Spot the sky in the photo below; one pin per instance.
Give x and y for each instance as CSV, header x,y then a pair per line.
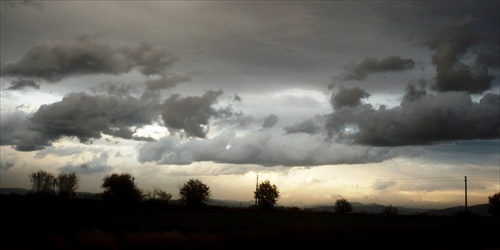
x,y
388,102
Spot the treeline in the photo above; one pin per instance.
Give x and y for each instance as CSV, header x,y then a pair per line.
x,y
121,189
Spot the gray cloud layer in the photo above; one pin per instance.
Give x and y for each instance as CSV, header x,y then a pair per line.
x,y
190,115
87,117
54,61
306,40
263,148
270,121
309,126
348,97
360,71
77,115
428,119
96,165
452,40
165,82
23,83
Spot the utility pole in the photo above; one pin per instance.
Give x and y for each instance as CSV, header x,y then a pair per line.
x,y
256,189
465,193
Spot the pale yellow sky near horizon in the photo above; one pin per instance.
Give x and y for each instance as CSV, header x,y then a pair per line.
x,y
299,186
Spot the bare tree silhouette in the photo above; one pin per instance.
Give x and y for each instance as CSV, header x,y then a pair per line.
x,y
43,182
67,184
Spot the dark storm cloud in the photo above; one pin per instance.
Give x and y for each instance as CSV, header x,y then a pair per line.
x,y
340,121
190,115
348,97
23,83
113,89
270,121
415,91
489,57
87,117
10,124
165,82
428,119
452,40
150,60
14,131
54,61
262,148
276,47
360,71
78,115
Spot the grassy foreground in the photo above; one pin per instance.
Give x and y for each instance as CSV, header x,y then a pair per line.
x,y
36,224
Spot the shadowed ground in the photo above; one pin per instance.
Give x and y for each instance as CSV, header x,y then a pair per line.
x,y
88,224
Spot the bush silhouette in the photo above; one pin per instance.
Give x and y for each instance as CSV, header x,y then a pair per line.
x,y
267,195
157,197
342,206
390,211
494,204
120,188
194,193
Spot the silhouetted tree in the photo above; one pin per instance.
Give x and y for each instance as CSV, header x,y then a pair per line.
x,y
194,193
267,195
342,206
43,182
121,188
158,196
494,204
67,183
390,211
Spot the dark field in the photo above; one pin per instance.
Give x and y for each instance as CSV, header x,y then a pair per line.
x,y
88,224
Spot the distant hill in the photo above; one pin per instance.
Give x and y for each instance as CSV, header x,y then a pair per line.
x,y
481,209
357,207
372,208
230,203
21,191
